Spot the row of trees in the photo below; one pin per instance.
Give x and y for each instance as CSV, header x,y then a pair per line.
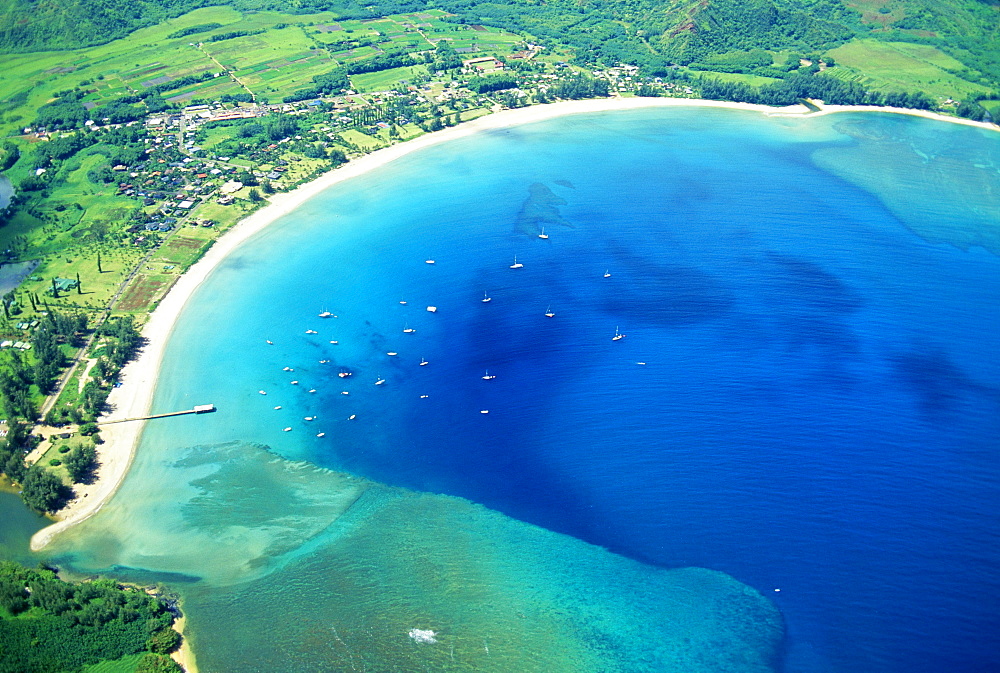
x,y
192,30
806,85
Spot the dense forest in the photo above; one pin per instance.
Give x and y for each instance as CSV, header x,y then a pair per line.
x,y
51,626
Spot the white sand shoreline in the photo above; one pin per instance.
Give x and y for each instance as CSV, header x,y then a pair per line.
x,y
135,395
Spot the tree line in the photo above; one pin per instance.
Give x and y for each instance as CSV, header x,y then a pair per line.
x,y
805,85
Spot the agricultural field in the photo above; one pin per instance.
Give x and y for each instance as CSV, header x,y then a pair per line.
x,y
388,79
146,289
182,250
901,66
281,54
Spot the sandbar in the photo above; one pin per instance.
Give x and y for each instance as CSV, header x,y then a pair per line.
x,y
134,397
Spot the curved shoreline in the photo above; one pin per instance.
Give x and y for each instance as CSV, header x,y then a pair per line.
x,y
134,397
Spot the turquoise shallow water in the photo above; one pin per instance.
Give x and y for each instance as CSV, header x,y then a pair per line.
x,y
814,304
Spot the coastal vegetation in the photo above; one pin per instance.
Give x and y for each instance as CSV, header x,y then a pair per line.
x,y
49,625
46,485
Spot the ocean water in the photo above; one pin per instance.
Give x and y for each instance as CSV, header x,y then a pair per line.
x,y
807,399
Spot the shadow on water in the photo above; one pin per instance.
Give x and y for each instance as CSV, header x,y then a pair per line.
x,y
937,383
662,294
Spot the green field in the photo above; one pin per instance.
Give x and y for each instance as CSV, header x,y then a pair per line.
x,y
272,64
386,79
993,106
123,665
752,80
901,66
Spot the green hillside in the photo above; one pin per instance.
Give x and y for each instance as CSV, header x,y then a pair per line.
x,y
643,32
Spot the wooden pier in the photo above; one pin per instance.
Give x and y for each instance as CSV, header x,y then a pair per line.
x,y
200,409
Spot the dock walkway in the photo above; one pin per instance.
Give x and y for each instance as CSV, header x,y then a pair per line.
x,y
200,409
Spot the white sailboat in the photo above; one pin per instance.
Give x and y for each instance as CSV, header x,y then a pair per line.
x,y
380,381
325,314
543,234
489,377
549,313
618,335
423,362
607,273
486,297
516,264
407,329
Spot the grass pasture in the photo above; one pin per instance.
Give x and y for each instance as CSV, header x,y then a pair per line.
x,y
126,664
752,80
182,250
992,106
145,289
386,79
901,66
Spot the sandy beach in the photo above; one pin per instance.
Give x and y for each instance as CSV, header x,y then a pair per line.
x,y
135,395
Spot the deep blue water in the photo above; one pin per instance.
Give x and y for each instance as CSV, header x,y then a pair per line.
x,y
819,404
